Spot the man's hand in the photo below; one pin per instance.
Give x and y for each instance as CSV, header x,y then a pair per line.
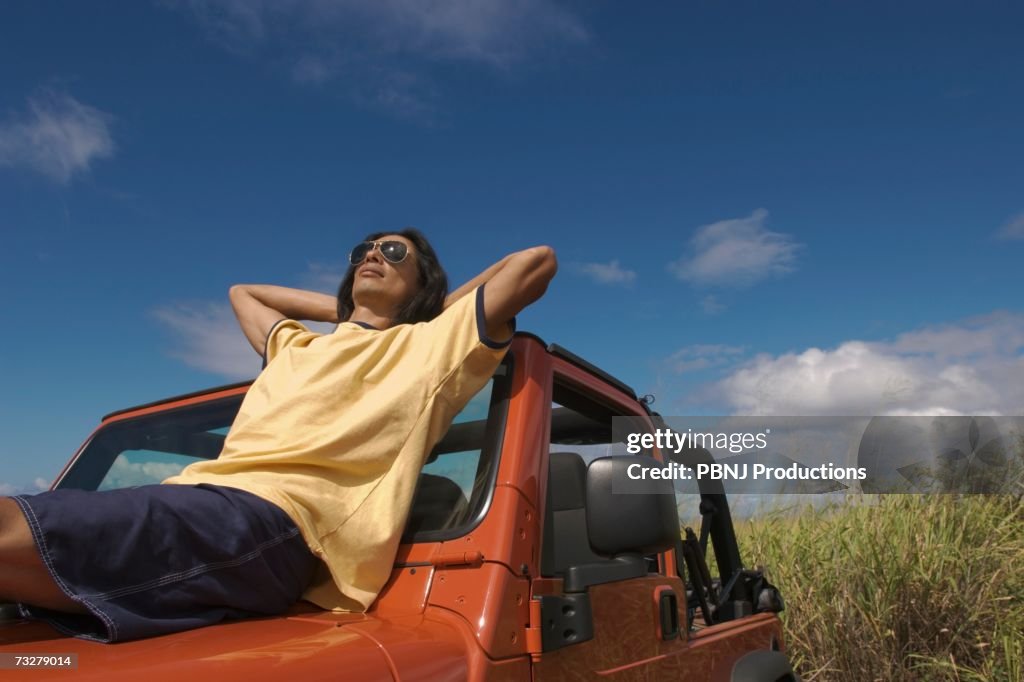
x,y
259,306
513,283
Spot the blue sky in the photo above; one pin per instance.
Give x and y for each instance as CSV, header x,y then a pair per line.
x,y
808,209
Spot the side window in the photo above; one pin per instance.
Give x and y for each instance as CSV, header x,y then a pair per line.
x,y
581,431
458,476
454,470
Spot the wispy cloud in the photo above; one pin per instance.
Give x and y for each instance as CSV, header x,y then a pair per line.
x,y
1013,229
397,91
57,136
711,305
606,273
737,252
311,68
206,336
376,48
703,356
323,277
491,31
974,366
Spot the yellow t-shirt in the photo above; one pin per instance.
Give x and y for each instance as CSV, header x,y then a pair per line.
x,y
335,430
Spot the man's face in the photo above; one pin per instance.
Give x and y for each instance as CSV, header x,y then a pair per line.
x,y
381,283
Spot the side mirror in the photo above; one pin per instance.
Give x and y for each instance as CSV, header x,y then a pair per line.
x,y
770,600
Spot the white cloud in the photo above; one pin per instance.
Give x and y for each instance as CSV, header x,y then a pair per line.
x,y
606,273
737,252
57,136
1013,229
207,337
996,334
38,485
124,473
975,366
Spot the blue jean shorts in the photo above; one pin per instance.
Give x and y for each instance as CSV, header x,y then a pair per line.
x,y
157,559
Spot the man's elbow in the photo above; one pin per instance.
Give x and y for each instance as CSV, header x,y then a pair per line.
x,y
238,291
543,264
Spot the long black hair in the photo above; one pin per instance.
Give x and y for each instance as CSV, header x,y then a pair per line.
x,y
427,303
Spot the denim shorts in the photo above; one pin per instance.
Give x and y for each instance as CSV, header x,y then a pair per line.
x,y
157,559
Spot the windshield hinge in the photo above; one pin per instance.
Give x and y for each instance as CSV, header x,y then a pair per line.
x,y
534,633
558,621
473,559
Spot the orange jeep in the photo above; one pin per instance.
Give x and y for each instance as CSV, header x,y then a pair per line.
x,y
518,561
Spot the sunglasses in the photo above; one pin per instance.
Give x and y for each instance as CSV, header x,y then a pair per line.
x,y
392,251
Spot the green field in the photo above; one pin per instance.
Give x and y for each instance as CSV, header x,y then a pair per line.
x,y
900,587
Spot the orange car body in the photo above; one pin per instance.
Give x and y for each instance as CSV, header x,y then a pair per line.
x,y
465,608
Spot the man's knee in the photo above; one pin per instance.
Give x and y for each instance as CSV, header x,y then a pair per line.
x,y
15,537
23,576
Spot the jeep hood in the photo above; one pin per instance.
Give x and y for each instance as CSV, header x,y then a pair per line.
x,y
303,646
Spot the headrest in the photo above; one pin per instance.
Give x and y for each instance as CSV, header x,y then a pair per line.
x,y
568,481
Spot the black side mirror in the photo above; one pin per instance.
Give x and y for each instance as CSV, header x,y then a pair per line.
x,y
769,600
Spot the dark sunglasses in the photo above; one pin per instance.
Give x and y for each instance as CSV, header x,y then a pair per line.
x,y
392,251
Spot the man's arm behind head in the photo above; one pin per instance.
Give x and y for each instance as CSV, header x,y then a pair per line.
x,y
259,306
522,279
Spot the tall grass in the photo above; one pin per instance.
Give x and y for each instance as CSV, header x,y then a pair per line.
x,y
899,588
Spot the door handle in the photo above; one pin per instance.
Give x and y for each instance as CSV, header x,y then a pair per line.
x,y
667,605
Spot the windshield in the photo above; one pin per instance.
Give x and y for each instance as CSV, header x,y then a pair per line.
x,y
453,490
